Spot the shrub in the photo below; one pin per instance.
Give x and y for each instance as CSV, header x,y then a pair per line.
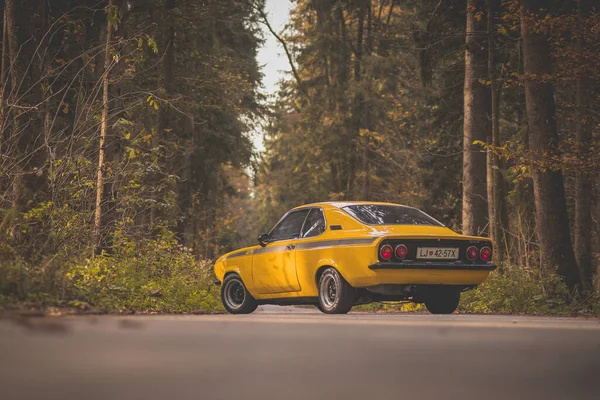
x,y
390,307
149,274
516,289
140,275
512,289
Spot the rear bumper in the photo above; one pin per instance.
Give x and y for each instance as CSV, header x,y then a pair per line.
x,y
460,266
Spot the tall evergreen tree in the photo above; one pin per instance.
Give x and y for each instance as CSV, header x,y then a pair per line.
x,y
552,222
477,124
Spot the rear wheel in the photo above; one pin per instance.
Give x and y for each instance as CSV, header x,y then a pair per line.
x,y
336,296
442,300
235,296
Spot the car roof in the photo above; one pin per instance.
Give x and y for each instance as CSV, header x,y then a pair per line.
x,y
340,204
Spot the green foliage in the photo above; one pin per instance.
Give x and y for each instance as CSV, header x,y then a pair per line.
x,y
520,290
140,275
375,117
512,289
149,275
183,86
390,307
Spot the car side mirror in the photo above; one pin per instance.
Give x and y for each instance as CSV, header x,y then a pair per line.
x,y
263,239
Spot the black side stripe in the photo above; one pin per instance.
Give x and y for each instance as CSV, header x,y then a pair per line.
x,y
316,245
238,254
305,246
334,243
270,249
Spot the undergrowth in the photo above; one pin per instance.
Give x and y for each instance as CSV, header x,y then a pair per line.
x,y
512,289
139,275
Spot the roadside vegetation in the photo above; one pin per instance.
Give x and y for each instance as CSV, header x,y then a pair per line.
x,y
513,290
127,162
519,290
147,275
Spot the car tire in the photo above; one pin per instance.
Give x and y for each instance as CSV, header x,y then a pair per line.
x,y
442,300
336,296
235,297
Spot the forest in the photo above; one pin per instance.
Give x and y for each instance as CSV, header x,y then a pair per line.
x,y
127,162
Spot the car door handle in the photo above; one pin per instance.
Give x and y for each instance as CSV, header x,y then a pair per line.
x,y
290,247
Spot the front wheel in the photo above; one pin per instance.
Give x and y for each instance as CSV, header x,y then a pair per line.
x,y
336,296
235,296
442,300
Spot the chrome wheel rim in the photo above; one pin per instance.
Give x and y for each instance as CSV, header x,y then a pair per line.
x,y
234,294
328,291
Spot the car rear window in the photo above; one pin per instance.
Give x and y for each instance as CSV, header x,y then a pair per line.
x,y
376,214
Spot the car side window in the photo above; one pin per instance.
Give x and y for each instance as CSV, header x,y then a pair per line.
x,y
315,223
290,226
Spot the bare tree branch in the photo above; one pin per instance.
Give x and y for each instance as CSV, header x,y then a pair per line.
x,y
265,20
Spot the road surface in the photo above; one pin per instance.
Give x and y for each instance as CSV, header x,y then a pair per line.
x,y
298,353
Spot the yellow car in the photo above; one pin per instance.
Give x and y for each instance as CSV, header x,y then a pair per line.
x,y
339,254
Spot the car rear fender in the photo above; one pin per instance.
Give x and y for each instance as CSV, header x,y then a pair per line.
x,y
344,270
323,265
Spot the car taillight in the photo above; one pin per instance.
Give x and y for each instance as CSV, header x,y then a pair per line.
x,y
485,254
386,252
401,251
472,253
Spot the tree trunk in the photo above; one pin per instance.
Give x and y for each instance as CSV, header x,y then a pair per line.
x,y
112,148
476,122
583,191
366,166
552,222
596,218
12,40
13,140
358,107
103,131
3,70
4,133
340,68
495,180
164,82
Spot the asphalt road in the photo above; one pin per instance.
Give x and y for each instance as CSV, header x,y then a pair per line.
x,y
288,353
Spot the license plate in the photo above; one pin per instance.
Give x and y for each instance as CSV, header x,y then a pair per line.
x,y
437,253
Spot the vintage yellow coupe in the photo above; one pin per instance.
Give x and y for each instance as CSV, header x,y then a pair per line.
x,y
339,254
